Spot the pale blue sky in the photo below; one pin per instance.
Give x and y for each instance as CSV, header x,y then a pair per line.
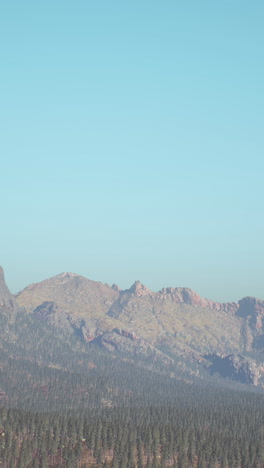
x,y
132,143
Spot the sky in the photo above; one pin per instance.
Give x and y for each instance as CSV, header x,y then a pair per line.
x,y
131,143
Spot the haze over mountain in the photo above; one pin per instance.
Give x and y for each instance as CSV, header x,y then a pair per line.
x,y
173,325
78,348
166,324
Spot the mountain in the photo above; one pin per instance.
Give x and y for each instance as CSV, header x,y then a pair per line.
x,y
168,325
8,304
92,375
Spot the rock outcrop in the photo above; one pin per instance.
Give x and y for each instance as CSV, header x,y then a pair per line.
x,y
188,296
139,290
128,334
127,342
7,300
235,367
253,310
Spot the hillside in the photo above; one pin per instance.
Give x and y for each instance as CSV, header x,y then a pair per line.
x,y
168,324
94,376
174,316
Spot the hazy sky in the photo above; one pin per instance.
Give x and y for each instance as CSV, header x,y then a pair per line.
x,y
132,143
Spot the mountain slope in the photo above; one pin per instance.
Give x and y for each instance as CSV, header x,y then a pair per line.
x,y
163,325
170,316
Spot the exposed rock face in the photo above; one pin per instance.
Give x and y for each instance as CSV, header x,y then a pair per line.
x,y
176,315
45,310
122,340
54,315
252,312
88,334
7,300
172,321
188,296
139,290
126,333
115,341
253,309
57,317
235,367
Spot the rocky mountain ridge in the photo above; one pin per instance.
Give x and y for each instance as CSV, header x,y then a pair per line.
x,y
148,313
164,325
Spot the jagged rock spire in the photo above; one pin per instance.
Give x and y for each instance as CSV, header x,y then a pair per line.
x,y
7,300
139,289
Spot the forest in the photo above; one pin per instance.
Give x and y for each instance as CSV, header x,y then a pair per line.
x,y
66,403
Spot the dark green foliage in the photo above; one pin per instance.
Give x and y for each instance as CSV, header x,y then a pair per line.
x,y
64,402
225,433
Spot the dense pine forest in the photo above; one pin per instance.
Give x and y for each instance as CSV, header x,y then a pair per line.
x,y
66,403
215,429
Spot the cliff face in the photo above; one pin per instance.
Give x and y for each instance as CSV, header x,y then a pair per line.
x,y
188,296
7,300
235,367
253,310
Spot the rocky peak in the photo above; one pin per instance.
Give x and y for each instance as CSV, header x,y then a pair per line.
x,y
66,276
188,296
7,301
182,295
139,289
253,309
